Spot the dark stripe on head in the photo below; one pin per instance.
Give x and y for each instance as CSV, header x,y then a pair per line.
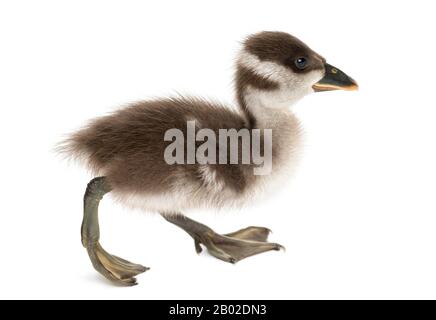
x,y
284,49
245,77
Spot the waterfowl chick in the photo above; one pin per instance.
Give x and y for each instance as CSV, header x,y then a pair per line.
x,y
128,150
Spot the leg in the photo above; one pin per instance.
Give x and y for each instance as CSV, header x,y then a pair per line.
x,y
118,270
231,247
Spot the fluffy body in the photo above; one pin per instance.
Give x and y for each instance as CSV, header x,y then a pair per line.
x,y
128,146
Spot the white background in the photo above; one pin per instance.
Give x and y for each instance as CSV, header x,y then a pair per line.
x,y
358,219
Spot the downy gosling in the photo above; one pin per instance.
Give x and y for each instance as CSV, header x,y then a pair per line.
x,y
131,152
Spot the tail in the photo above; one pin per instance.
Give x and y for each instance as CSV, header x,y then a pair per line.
x,y
80,147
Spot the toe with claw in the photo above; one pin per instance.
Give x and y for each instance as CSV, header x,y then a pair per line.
x,y
116,269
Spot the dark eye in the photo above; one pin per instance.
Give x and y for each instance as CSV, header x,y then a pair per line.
x,y
301,63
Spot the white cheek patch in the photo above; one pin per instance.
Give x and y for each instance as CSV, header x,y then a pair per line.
x,y
292,86
265,69
284,96
312,77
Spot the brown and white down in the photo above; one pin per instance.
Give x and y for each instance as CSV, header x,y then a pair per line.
x,y
125,150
